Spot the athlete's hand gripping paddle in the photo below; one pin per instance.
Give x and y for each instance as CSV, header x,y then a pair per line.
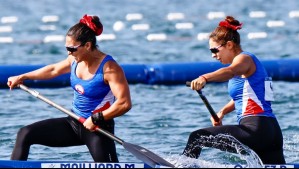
x,y
206,102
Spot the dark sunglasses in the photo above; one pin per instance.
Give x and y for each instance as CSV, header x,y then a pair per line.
x,y
216,49
73,49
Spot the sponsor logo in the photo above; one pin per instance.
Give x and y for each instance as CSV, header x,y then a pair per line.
x,y
279,166
266,166
92,165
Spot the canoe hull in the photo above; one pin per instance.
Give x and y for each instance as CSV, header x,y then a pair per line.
x,y
83,164
67,164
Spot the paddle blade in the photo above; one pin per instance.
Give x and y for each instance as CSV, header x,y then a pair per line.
x,y
147,156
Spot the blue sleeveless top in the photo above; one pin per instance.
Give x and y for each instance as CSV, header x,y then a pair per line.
x,y
93,94
249,94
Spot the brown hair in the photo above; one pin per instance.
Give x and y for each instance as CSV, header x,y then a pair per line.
x,y
227,31
87,30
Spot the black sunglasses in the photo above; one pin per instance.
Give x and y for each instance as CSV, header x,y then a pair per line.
x,y
216,49
73,49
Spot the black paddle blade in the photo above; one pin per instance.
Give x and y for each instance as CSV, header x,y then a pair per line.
x,y
147,156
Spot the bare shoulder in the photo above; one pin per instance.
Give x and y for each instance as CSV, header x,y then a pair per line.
x,y
113,73
70,59
243,58
112,66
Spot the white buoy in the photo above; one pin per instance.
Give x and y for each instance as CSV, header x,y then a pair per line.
x,y
54,38
203,36
5,29
216,15
257,14
275,24
156,37
175,16
6,40
106,37
294,14
47,27
9,19
142,27
184,26
134,16
257,35
50,18
118,26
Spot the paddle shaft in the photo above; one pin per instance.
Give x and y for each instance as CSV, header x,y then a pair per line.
x,y
80,119
206,102
141,153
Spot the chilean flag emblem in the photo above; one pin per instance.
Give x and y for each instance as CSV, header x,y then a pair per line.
x,y
79,89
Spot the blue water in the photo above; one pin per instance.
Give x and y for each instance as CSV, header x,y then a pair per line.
x,y
162,116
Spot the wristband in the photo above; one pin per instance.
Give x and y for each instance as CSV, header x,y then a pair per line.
x,y
204,78
97,118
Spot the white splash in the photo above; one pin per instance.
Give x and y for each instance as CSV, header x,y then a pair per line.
x,y
245,157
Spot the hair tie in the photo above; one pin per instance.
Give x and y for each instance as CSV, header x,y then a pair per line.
x,y
230,26
87,20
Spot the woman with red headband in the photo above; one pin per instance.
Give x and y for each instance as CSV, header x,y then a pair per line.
x,y
251,94
101,93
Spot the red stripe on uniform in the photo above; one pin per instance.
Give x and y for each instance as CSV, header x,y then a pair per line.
x,y
106,106
253,108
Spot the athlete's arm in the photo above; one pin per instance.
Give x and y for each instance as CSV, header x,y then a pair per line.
x,y
44,73
242,65
115,77
229,107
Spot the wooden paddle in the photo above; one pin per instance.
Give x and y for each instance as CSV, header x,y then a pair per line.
x,y
206,102
141,153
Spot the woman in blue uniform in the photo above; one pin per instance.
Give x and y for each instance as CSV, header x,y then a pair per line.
x,y
101,93
250,90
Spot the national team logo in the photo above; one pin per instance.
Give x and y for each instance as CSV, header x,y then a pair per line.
x,y
79,89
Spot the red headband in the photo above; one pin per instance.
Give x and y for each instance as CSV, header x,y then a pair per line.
x,y
230,26
87,20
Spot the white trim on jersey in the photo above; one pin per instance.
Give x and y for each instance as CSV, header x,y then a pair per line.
x,y
248,93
